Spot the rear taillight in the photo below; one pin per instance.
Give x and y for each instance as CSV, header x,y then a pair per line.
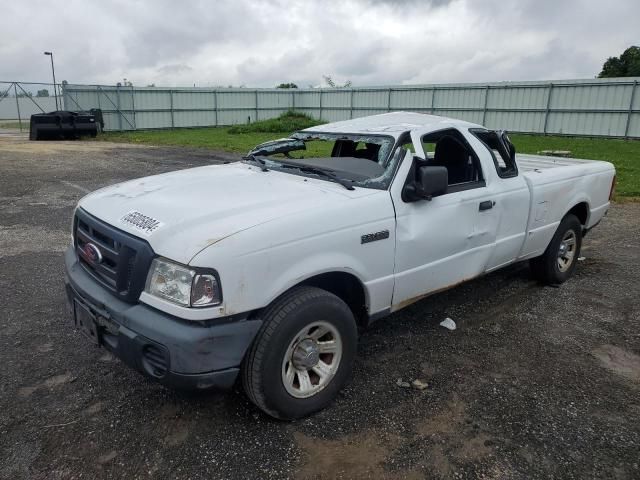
x,y
613,188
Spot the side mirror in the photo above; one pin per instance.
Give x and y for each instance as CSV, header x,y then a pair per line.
x,y
434,181
431,181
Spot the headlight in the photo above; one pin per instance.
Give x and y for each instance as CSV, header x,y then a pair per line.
x,y
73,226
183,285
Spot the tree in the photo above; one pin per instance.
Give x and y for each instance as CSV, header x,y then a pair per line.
x,y
287,85
42,93
333,84
626,65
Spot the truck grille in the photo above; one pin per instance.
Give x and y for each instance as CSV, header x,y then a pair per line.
x,y
117,260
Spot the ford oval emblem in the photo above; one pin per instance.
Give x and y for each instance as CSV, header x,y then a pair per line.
x,y
92,253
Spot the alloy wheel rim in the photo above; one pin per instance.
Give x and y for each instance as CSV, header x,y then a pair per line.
x,y
567,251
312,359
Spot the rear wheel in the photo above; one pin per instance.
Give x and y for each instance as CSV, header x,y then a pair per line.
x,y
302,355
558,262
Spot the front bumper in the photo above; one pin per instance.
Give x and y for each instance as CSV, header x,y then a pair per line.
x,y
175,352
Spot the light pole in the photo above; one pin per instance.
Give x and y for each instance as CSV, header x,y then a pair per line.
x,y
53,71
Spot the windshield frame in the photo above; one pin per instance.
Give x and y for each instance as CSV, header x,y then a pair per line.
x,y
381,182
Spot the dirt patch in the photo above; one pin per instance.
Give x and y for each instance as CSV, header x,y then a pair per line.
x,y
454,428
178,430
620,361
356,456
15,144
474,448
445,422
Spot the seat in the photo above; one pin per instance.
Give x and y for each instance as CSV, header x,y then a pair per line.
x,y
453,155
343,148
370,152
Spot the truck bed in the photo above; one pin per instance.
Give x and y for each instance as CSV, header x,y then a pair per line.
x,y
540,170
557,184
528,163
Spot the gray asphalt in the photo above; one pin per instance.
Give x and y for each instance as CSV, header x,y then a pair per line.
x,y
536,382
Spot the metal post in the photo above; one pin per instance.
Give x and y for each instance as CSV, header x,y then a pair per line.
x,y
486,98
118,107
55,85
630,112
15,92
133,107
433,99
53,71
293,99
256,105
351,105
389,100
320,114
215,105
171,108
546,114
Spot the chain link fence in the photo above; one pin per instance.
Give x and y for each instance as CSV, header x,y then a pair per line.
x,y
20,100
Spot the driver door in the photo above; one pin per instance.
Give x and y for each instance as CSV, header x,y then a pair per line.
x,y
445,240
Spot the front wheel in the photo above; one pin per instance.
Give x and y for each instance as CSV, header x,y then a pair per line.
x,y
559,260
303,354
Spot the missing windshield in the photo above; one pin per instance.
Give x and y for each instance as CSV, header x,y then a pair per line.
x,y
351,160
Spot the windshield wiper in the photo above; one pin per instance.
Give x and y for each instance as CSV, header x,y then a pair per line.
x,y
321,172
260,162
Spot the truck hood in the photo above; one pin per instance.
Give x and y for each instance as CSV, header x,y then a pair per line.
x,y
184,212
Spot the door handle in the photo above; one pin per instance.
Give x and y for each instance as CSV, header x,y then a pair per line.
x,y
487,205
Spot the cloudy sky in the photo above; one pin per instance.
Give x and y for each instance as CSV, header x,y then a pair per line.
x,y
265,42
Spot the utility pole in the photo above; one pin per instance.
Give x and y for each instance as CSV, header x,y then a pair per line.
x,y
53,71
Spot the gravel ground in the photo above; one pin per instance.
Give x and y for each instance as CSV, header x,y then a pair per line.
x,y
536,382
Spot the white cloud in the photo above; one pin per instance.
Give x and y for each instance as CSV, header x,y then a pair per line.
x,y
265,42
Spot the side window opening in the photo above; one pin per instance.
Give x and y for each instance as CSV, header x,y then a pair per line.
x,y
407,144
448,148
429,149
502,158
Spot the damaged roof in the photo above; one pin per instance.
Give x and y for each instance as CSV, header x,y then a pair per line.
x,y
394,123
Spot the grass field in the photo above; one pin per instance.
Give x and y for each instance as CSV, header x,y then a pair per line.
x,y
14,124
624,154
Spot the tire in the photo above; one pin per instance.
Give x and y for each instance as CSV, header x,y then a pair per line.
x,y
290,340
557,263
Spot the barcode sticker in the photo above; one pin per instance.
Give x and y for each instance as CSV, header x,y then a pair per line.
x,y
142,223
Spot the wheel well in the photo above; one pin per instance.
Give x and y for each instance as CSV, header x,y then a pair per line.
x,y
581,211
348,288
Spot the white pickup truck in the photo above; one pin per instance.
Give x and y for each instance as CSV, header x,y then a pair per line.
x,y
266,269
